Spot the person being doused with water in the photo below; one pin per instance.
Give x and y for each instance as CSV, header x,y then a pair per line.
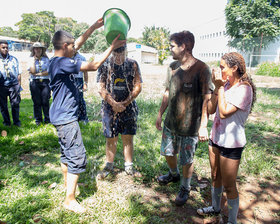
x,y
120,83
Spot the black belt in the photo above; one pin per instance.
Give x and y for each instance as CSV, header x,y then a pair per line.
x,y
40,80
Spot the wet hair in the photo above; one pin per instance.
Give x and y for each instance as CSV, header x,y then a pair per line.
x,y
185,37
60,37
234,58
120,49
3,42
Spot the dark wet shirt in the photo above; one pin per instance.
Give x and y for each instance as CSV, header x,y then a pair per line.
x,y
186,94
118,78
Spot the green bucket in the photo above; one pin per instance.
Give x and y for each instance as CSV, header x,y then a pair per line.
x,y
116,21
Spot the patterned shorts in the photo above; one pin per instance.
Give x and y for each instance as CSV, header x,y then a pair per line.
x,y
171,144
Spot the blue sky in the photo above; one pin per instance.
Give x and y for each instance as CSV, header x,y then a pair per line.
x,y
176,15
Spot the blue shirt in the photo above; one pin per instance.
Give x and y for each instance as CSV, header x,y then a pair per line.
x,y
82,58
40,66
64,107
9,70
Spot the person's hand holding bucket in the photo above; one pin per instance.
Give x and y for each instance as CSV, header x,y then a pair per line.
x,y
99,23
118,43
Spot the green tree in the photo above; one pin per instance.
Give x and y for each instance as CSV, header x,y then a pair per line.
x,y
39,26
100,41
8,31
158,38
133,40
252,24
65,23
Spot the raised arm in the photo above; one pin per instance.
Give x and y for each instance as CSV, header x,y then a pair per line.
x,y
225,109
81,40
94,65
213,101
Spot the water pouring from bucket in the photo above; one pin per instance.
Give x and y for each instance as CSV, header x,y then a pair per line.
x,y
116,21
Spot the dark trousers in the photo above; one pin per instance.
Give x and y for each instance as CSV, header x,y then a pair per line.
x,y
14,94
82,110
41,93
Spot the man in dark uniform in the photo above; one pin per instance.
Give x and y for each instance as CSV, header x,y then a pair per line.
x,y
10,78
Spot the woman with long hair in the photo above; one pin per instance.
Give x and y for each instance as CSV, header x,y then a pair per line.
x,y
39,82
232,100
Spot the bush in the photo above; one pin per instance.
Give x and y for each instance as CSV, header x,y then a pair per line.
x,y
212,64
269,69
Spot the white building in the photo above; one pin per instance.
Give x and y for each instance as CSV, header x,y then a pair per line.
x,y
16,44
212,43
142,54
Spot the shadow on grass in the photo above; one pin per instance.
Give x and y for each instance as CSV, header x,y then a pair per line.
x,y
271,91
157,211
160,207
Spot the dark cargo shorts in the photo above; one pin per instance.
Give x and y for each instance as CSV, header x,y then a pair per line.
x,y
124,123
73,152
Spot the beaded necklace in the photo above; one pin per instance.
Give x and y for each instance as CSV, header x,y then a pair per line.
x,y
6,67
40,65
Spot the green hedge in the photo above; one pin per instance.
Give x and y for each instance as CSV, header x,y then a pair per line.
x,y
269,69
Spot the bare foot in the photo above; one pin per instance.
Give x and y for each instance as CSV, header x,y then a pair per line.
x,y
74,206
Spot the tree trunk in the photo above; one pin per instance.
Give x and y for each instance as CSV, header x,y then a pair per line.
x,y
260,49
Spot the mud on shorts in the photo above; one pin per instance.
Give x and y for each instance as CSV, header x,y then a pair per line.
x,y
73,152
124,123
171,144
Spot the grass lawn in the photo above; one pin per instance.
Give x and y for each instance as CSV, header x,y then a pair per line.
x,y
31,181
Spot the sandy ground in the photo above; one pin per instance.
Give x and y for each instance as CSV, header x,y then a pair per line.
x,y
153,79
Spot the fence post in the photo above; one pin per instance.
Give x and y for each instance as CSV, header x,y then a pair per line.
x,y
250,63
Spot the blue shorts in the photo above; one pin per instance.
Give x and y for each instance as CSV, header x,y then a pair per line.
x,y
73,152
124,123
171,144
